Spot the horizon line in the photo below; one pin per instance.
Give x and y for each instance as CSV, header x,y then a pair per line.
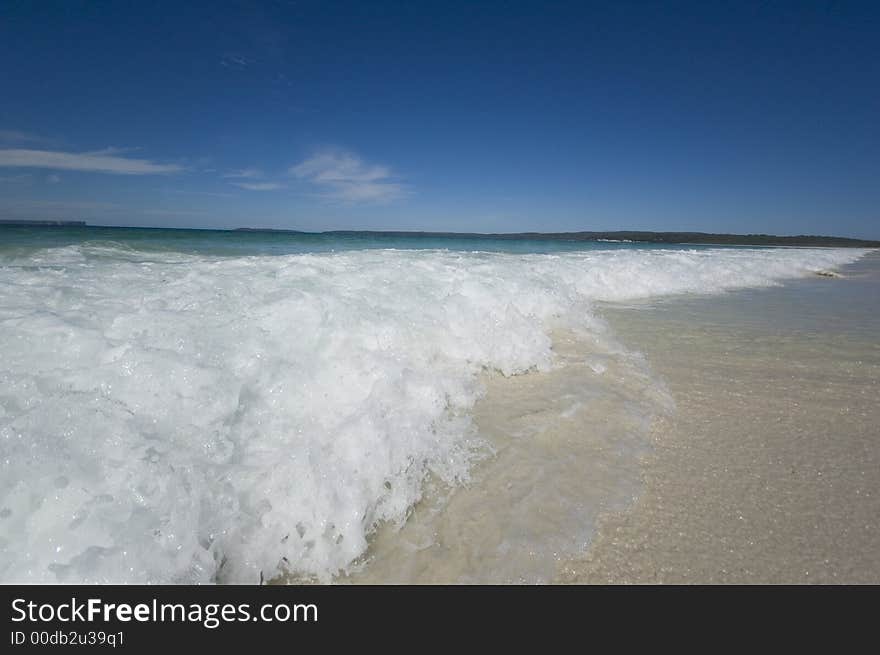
x,y
580,235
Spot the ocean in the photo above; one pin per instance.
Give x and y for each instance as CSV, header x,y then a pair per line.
x,y
204,406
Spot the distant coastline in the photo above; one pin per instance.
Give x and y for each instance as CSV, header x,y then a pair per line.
x,y
627,236
620,236
16,223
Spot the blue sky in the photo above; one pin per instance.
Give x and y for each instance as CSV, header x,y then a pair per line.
x,y
503,117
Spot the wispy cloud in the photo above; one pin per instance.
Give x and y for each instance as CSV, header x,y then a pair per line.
x,y
17,136
344,176
102,161
215,194
259,186
245,173
236,61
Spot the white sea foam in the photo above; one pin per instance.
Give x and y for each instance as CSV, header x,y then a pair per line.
x,y
181,418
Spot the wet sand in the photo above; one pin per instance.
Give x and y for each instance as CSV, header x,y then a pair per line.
x,y
535,500
692,439
769,469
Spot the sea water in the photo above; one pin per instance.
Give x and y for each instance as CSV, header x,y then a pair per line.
x,y
197,406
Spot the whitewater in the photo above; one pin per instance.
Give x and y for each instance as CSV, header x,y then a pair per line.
x,y
189,417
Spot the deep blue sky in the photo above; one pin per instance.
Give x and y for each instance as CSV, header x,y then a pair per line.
x,y
739,116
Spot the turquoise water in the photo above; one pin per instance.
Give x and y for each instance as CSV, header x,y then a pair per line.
x,y
242,243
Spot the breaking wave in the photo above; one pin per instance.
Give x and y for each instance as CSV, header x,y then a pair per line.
x,y
169,417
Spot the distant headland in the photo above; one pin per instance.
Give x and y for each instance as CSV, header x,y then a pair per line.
x,y
18,223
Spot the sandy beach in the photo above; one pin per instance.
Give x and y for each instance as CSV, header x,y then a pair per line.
x,y
769,469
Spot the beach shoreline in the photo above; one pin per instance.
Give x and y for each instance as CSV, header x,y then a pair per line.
x,y
276,412
769,470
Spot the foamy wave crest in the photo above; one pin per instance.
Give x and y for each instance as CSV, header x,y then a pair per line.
x,y
176,418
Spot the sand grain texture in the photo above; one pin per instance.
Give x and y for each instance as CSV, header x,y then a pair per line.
x,y
769,470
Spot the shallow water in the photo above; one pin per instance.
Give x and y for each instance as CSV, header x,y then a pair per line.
x,y
569,442
171,413
769,469
566,445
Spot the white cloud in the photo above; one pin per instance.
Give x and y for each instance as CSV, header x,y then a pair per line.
x,y
346,177
245,173
17,136
236,61
102,161
259,186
